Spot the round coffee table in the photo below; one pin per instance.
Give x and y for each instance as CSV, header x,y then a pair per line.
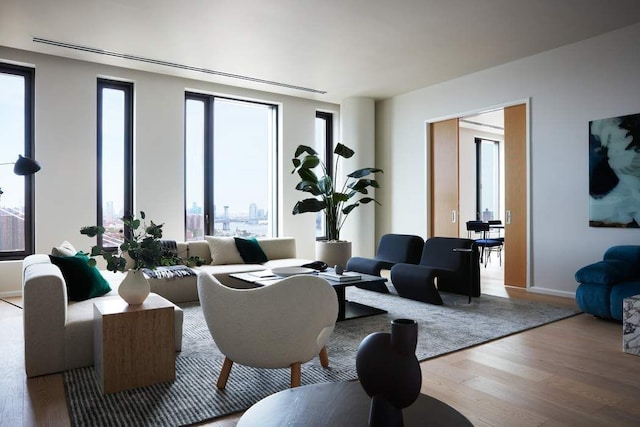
x,y
341,404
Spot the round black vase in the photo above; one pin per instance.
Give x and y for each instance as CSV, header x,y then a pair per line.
x,y
389,371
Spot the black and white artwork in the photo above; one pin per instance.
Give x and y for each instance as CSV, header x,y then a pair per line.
x,y
614,172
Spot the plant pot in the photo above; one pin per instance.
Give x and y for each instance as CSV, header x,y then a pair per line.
x,y
134,289
333,252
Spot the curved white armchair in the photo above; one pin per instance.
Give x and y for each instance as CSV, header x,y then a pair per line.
x,y
276,326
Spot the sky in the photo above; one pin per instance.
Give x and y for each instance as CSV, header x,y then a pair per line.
x,y
11,138
242,131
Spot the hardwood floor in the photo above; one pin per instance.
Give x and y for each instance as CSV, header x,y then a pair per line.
x,y
568,373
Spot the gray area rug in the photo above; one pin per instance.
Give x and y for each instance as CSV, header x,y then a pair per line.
x,y
193,397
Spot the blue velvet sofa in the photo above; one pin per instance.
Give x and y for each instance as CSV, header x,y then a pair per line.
x,y
605,284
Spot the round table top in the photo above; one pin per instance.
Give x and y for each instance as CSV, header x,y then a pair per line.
x,y
341,404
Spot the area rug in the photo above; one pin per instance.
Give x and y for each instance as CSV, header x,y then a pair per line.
x,y
193,397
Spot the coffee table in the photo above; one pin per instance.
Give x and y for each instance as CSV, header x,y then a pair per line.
x,y
346,309
341,404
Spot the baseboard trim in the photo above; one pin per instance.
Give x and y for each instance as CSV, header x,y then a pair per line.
x,y
554,292
10,294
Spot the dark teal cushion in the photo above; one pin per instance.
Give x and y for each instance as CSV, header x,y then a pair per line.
x,y
83,281
606,272
250,250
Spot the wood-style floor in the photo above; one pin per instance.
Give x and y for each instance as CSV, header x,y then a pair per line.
x,y
568,373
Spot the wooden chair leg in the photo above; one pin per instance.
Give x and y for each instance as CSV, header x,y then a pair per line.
x,y
324,357
224,373
295,374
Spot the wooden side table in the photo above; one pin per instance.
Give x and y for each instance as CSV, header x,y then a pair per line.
x,y
133,345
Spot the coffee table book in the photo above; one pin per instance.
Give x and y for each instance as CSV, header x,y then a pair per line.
x,y
347,276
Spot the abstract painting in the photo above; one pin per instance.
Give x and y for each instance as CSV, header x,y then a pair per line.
x,y
614,172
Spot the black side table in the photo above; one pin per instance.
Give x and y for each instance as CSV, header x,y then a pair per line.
x,y
343,404
470,252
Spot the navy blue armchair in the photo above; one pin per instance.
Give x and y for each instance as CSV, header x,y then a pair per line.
x,y
392,249
455,271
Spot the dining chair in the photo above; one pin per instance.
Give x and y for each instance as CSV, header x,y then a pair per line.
x,y
495,226
486,244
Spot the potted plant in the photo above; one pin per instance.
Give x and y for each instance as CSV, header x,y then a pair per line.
x,y
141,246
336,203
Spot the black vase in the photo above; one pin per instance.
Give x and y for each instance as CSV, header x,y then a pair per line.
x,y
389,371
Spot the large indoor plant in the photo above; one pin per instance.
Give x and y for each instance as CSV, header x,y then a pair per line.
x,y
141,246
336,202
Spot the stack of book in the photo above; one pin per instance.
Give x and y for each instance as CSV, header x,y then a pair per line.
x,y
347,276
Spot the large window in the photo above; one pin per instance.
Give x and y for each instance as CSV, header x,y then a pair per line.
x,y
16,127
230,167
324,147
115,158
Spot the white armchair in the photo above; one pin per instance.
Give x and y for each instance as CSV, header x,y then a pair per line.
x,y
276,326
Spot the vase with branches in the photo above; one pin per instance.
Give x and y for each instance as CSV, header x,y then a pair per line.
x,y
141,245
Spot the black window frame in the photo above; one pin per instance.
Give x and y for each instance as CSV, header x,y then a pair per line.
x,y
28,74
328,154
127,88
209,173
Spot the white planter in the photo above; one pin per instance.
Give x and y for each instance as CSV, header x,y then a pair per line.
x,y
333,252
134,289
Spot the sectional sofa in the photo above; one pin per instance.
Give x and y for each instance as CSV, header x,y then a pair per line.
x,y
221,262
58,333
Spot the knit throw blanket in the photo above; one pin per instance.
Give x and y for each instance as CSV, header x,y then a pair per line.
x,y
169,246
169,272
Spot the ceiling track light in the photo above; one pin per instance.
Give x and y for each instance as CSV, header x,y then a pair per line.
x,y
172,64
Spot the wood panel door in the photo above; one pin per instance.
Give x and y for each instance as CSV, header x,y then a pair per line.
x,y
515,248
444,178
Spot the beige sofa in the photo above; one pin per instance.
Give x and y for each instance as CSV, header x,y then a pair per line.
x,y
281,252
58,334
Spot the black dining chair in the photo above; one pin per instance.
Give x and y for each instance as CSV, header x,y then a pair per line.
x,y
495,226
485,243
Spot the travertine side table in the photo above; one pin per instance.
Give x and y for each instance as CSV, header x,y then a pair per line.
x,y
631,325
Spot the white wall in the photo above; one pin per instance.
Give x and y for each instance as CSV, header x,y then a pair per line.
x,y
358,133
568,87
65,146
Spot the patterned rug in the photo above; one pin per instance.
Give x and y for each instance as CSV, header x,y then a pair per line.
x,y
193,397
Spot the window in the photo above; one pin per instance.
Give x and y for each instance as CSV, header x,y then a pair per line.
x,y
17,124
230,167
324,147
487,179
115,159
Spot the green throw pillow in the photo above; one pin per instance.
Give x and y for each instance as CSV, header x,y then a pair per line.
x,y
83,281
250,250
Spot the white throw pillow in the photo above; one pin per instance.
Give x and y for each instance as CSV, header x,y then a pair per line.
x,y
223,250
65,249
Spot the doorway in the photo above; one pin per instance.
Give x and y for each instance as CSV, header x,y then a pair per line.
x,y
455,186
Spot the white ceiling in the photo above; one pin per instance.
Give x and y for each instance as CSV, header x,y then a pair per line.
x,y
372,48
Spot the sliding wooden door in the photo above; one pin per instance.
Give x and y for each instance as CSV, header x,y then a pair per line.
x,y
515,249
444,178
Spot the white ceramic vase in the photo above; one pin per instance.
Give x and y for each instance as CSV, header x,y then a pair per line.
x,y
134,289
333,252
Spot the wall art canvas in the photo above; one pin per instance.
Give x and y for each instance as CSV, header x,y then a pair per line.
x,y
614,172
